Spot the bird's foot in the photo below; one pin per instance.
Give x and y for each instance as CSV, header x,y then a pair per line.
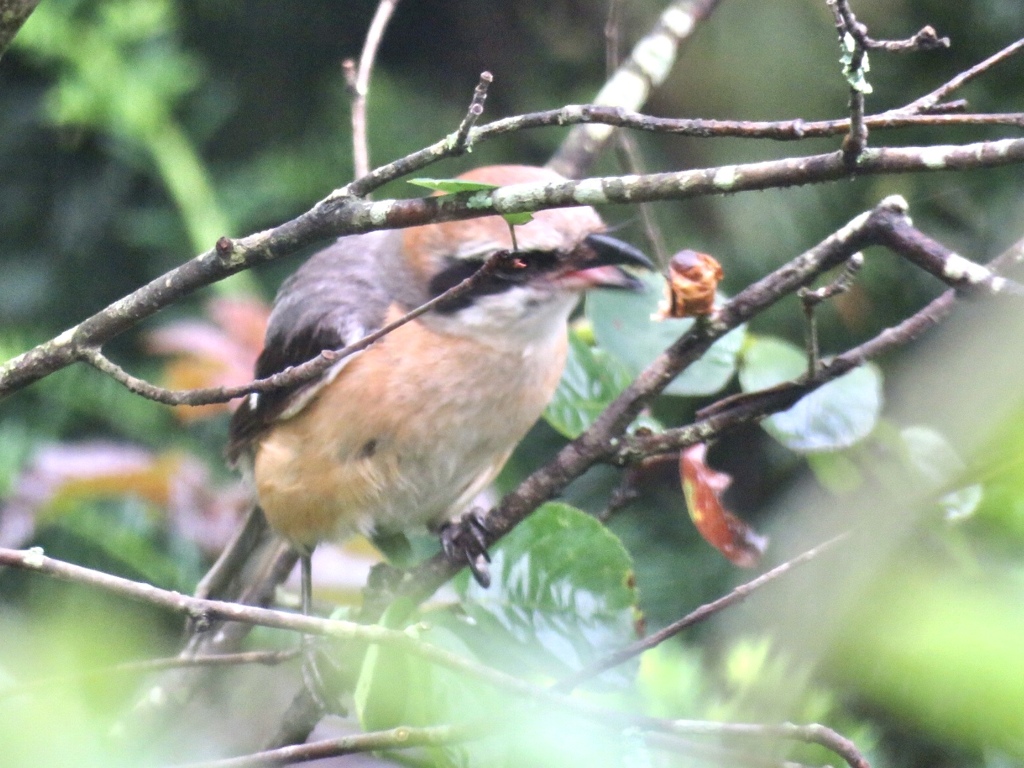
x,y
311,677
464,541
320,691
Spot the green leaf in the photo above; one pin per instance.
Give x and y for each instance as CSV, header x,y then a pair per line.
x,y
930,454
623,326
835,470
591,380
518,218
834,416
452,186
561,595
396,688
935,460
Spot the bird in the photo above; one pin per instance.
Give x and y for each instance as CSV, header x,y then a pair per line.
x,y
406,433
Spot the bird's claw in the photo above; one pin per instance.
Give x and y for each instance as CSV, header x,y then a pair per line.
x,y
464,541
311,677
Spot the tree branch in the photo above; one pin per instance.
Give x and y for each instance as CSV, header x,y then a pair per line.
x,y
603,441
927,39
704,612
646,68
777,130
52,684
576,114
13,14
359,84
291,376
334,216
461,140
886,224
933,99
853,40
35,560
404,737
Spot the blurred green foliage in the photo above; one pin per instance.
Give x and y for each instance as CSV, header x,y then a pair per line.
x,y
133,133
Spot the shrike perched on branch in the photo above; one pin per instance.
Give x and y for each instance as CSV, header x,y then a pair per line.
x,y
407,432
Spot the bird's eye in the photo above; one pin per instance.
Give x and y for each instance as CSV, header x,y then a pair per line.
x,y
511,270
520,264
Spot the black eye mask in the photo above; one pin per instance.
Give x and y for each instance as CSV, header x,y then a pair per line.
x,y
513,271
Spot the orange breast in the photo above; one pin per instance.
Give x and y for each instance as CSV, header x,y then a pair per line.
x,y
406,434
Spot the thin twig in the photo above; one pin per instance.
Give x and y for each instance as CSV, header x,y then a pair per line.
x,y
857,139
623,495
784,130
926,39
649,63
631,161
946,108
853,38
143,666
931,100
777,130
842,283
612,34
810,734
810,333
35,561
348,216
704,612
476,109
291,376
404,737
360,85
811,298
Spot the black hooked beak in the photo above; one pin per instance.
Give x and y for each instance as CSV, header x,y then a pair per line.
x,y
598,264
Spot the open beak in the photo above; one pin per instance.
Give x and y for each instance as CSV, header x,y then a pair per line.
x,y
598,262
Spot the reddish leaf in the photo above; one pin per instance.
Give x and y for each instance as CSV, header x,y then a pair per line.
x,y
62,475
703,488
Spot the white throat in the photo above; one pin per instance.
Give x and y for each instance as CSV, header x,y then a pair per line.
x,y
515,319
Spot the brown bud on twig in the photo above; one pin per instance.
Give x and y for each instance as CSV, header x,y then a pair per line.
x,y
225,245
692,281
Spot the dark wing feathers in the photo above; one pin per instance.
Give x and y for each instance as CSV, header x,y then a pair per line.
x,y
333,299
